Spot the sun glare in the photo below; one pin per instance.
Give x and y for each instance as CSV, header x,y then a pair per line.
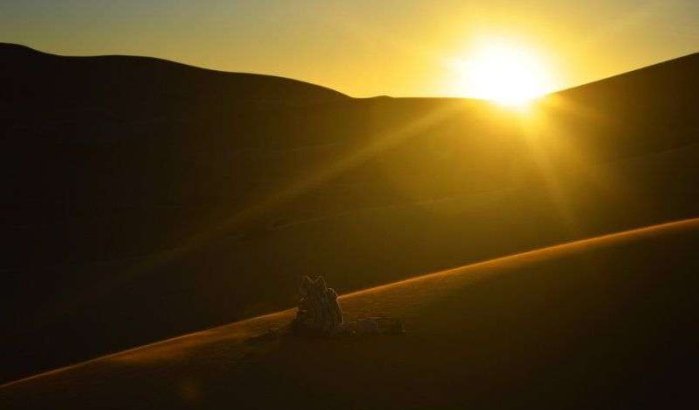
x,y
503,73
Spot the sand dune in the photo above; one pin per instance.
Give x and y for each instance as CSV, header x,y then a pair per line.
x,y
591,322
148,199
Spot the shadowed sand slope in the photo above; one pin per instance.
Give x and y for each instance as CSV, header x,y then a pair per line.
x,y
147,199
600,322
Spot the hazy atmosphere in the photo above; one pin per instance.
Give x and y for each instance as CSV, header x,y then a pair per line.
x,y
349,204
364,47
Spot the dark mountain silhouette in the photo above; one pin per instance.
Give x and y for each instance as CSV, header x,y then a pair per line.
x,y
145,198
149,86
653,108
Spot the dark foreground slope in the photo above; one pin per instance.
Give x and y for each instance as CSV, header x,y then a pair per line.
x,y
136,185
170,199
606,322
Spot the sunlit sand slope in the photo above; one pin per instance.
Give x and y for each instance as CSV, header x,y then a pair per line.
x,y
598,322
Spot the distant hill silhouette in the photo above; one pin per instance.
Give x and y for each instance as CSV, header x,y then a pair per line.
x,y
145,199
652,108
125,84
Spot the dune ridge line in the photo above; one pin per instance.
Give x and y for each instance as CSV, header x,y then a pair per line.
x,y
521,257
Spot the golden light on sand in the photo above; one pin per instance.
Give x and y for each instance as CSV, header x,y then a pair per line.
x,y
507,74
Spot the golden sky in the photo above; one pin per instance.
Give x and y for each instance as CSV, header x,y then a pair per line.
x,y
364,47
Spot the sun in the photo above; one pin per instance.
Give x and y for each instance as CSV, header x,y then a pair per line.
x,y
506,74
